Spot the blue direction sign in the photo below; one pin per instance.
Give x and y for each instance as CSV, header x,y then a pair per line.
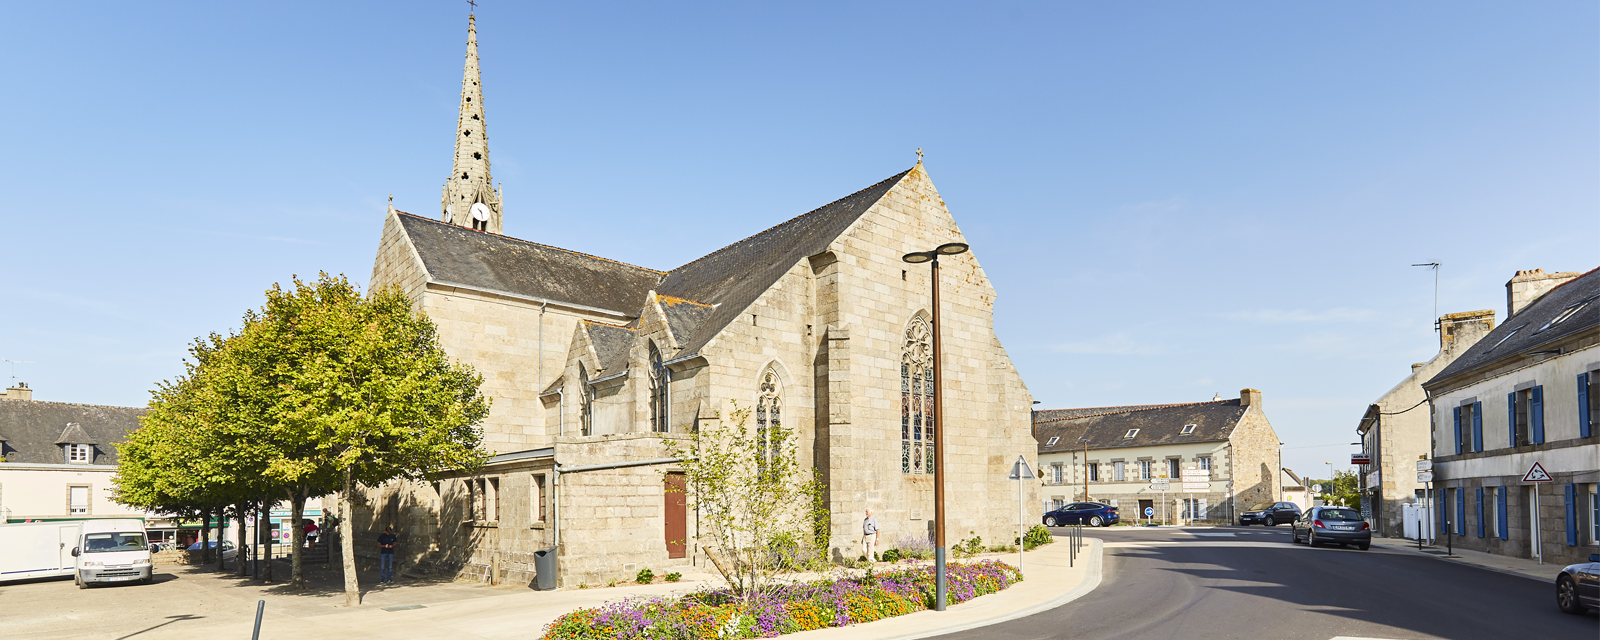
x,y
1149,512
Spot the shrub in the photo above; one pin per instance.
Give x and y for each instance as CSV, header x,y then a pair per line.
x,y
892,555
1038,536
914,546
646,576
672,577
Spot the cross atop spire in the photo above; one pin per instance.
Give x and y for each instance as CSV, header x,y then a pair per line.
x,y
469,183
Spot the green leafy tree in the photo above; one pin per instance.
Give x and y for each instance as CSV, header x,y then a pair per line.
x,y
758,510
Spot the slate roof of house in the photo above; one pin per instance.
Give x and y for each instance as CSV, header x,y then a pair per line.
x,y
1528,330
74,434
1105,427
683,317
611,345
1045,415
456,255
731,278
32,429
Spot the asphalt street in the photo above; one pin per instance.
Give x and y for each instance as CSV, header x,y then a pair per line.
x,y
1250,582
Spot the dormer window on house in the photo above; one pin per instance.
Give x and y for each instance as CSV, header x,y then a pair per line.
x,y
1053,441
1131,433
1566,313
1188,429
79,453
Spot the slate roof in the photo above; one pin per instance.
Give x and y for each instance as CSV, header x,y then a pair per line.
x,y
31,429
455,255
1157,424
683,317
611,345
1044,415
74,434
1527,330
731,278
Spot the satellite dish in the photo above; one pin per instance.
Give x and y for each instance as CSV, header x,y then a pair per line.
x,y
448,217
480,211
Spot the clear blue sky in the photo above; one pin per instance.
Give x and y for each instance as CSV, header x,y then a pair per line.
x,y
1173,201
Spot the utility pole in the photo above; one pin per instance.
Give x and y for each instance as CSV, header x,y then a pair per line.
x,y
1435,267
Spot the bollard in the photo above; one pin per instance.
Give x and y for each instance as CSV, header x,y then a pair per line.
x,y
260,606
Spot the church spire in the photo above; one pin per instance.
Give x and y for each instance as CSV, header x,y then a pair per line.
x,y
469,183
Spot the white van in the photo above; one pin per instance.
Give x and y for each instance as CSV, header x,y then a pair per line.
x,y
111,551
38,549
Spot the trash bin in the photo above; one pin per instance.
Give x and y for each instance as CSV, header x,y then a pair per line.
x,y
544,569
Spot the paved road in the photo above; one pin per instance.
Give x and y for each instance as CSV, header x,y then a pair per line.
x,y
1250,582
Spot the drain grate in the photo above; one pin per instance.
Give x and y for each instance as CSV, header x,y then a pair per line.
x,y
404,607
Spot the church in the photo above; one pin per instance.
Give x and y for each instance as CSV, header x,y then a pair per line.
x,y
816,323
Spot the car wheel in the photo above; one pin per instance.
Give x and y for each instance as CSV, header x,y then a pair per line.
x,y
1567,595
1364,546
78,578
1049,521
1095,521
1311,538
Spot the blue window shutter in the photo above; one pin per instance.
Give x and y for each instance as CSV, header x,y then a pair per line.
x,y
1480,512
1536,415
1572,514
1477,426
1461,511
1583,405
1443,500
1458,430
1503,525
1511,418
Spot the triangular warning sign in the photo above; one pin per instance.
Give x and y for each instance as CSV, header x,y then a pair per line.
x,y
1536,474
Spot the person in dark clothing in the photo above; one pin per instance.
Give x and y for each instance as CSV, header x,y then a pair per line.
x,y
386,544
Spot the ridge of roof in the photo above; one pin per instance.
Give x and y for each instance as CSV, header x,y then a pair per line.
x,y
666,299
536,244
1111,411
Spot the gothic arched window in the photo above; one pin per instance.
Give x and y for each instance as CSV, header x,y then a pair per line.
x,y
585,402
660,377
916,399
769,418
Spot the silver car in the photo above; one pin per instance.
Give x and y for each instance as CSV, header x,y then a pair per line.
x,y
1578,586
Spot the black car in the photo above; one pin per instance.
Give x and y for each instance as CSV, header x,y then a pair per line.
x,y
1332,525
1094,514
1270,514
1578,586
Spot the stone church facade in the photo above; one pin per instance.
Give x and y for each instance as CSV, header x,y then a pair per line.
x,y
592,363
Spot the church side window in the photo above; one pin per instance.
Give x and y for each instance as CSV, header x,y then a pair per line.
x,y
660,377
585,402
916,399
769,419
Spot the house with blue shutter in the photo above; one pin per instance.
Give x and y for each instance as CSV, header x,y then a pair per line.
x,y
1526,395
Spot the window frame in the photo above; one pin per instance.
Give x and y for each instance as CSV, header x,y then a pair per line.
x,y
917,419
660,392
1119,471
72,451
88,499
769,418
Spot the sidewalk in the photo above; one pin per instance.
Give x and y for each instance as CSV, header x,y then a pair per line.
x,y
1490,561
522,614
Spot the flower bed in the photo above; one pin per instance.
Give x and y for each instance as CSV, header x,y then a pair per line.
x,y
786,609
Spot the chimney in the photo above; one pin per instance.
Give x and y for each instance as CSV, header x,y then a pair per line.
x,y
1457,331
20,392
1527,286
1250,398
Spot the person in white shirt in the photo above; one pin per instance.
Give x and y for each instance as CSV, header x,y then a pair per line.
x,y
869,537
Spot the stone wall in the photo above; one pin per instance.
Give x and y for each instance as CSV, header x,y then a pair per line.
x,y
1256,449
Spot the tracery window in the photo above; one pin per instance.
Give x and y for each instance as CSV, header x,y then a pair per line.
x,y
916,399
660,377
585,402
769,419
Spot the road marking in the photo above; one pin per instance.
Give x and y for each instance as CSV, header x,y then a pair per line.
x,y
1355,638
1213,535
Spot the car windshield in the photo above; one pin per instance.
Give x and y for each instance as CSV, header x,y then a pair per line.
x,y
120,541
1339,514
1262,507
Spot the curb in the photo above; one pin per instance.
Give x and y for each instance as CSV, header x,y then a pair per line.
x,y
1091,580
1465,563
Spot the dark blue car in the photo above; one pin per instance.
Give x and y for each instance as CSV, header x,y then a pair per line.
x,y
1094,514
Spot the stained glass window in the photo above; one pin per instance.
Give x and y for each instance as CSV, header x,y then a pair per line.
x,y
659,378
769,418
916,399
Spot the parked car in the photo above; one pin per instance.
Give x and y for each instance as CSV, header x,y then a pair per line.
x,y
1094,514
1578,586
1270,514
228,551
1332,525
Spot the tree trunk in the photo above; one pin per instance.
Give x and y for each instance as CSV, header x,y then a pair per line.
x,y
222,534
347,543
266,548
242,512
205,537
297,510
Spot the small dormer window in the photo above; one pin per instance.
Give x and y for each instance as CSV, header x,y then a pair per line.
x,y
1053,441
1131,433
1188,429
79,453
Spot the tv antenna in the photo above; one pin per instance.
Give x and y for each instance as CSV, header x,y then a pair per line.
x,y
1435,267
14,364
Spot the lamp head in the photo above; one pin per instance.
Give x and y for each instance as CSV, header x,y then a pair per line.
x,y
919,257
951,249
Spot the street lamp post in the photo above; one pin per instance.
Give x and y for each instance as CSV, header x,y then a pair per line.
x,y
948,249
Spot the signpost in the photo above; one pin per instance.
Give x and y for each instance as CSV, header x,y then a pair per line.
x,y
1424,476
1536,474
1360,458
1426,525
1195,481
1020,472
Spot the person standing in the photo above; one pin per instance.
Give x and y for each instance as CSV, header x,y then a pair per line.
x,y
869,537
386,544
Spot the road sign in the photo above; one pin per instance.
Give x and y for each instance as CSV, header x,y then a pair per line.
x,y
1020,470
1360,458
1196,487
1160,486
1195,473
1536,474
1424,476
1424,465
1317,489
1149,512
